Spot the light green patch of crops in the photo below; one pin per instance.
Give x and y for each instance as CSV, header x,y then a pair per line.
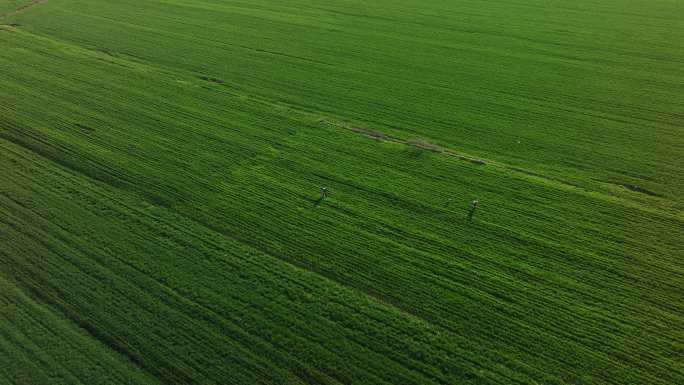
x,y
8,7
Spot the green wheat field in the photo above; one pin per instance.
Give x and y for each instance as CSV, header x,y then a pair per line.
x,y
161,215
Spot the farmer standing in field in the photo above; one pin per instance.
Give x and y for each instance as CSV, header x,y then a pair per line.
x,y
473,206
324,192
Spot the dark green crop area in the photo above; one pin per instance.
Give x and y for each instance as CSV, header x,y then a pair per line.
x,y
161,220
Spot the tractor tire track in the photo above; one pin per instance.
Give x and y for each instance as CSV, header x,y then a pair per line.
x,y
22,8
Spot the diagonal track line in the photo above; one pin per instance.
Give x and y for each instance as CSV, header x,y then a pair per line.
x,y
22,8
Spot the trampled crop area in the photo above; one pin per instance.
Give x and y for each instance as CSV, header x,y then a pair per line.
x,y
161,220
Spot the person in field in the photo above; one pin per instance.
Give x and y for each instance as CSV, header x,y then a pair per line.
x,y
324,192
473,206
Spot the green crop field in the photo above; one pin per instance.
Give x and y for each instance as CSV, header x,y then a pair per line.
x,y
161,220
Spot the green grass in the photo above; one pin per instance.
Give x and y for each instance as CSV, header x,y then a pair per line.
x,y
160,163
